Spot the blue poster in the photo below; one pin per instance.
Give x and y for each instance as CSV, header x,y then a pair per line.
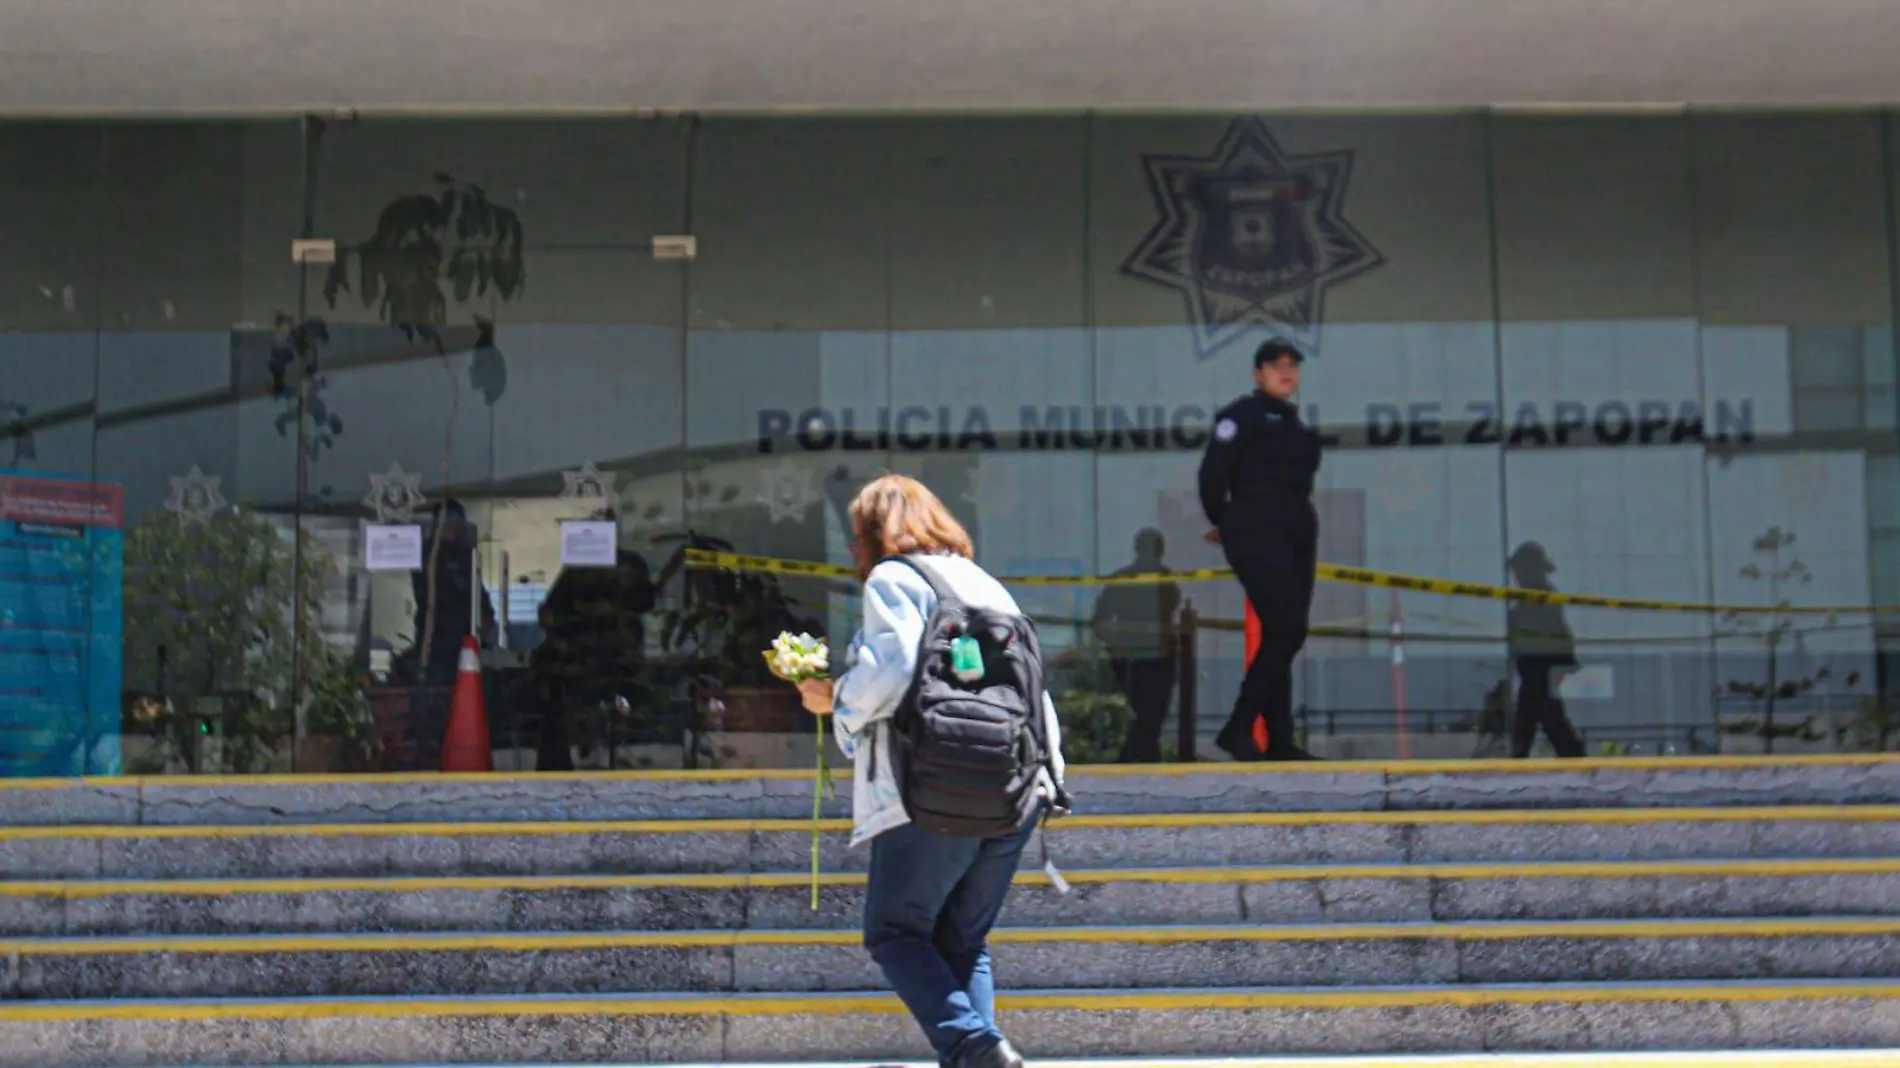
x,y
62,622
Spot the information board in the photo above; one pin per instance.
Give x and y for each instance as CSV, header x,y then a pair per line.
x,y
62,597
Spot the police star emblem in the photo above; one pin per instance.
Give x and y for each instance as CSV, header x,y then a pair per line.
x,y
586,483
788,492
395,495
195,497
1252,237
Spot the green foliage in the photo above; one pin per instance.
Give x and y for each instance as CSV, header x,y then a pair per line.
x,y
725,618
224,628
336,706
1095,714
295,347
428,248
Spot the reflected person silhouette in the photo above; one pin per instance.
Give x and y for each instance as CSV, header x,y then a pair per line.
x,y
1136,625
592,660
450,604
1541,646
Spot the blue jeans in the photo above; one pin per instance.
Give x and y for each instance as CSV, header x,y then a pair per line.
x,y
928,911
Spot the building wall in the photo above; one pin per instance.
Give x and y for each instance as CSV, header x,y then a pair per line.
x,y
1641,342
171,57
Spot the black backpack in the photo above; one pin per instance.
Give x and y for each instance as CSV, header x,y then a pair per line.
x,y
970,749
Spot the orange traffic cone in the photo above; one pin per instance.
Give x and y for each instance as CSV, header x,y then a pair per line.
x,y
465,748
1253,650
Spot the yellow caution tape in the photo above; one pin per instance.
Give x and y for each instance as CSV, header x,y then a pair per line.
x,y
701,559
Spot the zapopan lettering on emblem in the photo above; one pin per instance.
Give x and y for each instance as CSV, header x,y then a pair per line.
x,y
1225,430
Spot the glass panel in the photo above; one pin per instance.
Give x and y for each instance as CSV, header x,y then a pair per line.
x,y
1602,395
988,302
589,433
1645,351
431,245
1791,288
1368,241
197,422
505,351
788,365
60,593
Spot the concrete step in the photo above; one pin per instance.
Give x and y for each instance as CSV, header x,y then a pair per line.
x,y
1823,1058
778,900
872,1027
1846,779
1237,955
1671,1059
1114,841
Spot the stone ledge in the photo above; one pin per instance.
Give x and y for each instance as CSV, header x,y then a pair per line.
x,y
1102,790
824,962
1204,1024
377,850
1321,899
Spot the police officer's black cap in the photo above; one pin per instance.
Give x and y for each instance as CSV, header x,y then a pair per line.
x,y
1274,350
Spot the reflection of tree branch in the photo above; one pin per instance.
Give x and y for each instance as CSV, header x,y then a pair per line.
x,y
16,428
441,524
1776,566
424,248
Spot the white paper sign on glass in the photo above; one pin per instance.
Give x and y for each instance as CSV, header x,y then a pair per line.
x,y
392,547
589,542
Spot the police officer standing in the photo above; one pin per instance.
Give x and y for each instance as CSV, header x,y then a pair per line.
x,y
1256,485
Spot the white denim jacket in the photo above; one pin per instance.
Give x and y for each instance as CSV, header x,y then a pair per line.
x,y
879,667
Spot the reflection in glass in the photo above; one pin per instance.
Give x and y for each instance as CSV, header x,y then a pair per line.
x,y
1137,626
1622,340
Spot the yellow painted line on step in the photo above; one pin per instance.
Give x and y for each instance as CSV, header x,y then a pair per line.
x,y
884,1005
1421,817
370,884
1470,931
403,779
1672,1059
1426,817
1609,869
1384,767
422,884
1500,766
426,830
1720,1059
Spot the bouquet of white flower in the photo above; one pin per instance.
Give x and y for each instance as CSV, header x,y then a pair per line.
x,y
797,658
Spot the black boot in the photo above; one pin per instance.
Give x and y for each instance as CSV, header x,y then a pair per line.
x,y
1001,1055
1237,741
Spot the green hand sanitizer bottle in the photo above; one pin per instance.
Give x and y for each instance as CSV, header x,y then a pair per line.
x,y
966,658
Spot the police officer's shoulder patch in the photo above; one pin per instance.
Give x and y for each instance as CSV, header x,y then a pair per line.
x,y
1225,430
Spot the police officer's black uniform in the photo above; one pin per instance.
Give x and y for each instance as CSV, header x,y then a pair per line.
x,y
1256,485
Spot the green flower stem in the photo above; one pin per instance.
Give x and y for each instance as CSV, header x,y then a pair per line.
x,y
820,789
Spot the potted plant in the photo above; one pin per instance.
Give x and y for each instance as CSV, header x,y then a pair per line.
x,y
721,623
339,729
227,636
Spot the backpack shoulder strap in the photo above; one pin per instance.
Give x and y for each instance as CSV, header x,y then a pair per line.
x,y
946,597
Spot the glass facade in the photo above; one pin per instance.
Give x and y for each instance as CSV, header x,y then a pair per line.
x,y
253,506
